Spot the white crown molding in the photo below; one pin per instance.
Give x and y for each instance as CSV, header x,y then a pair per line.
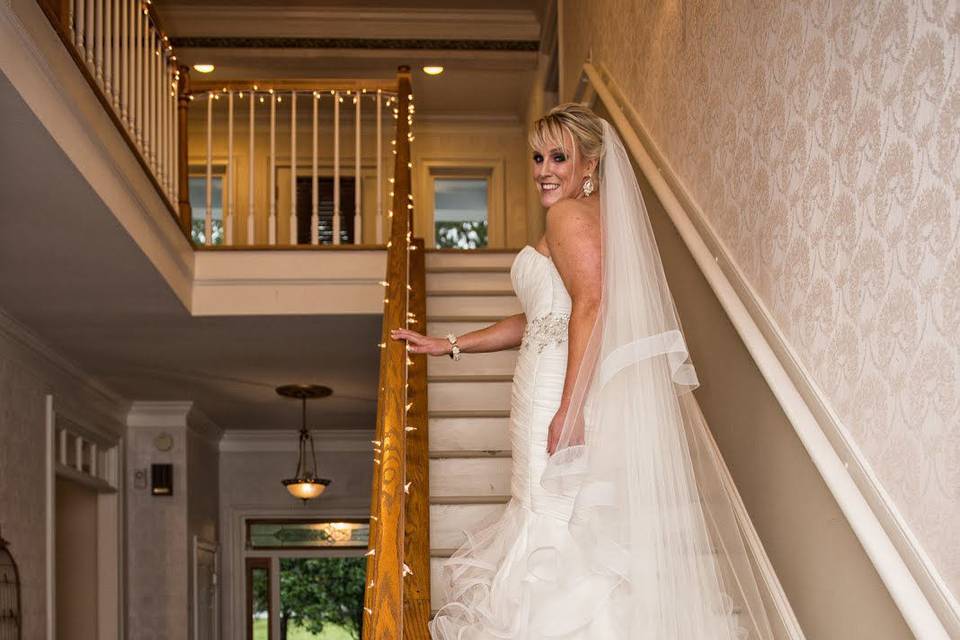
x,y
914,582
186,20
286,441
50,360
172,415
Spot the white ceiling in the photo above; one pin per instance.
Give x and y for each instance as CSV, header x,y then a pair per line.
x,y
494,79
73,275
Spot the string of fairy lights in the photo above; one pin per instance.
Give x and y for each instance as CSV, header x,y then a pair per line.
x,y
410,318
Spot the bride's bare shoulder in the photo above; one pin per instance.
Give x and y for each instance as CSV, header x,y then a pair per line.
x,y
574,218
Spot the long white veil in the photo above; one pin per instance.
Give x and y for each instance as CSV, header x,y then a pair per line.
x,y
650,518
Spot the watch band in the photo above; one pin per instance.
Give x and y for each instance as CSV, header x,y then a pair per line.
x,y
455,348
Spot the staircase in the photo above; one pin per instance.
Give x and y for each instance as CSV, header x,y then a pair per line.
x,y
469,408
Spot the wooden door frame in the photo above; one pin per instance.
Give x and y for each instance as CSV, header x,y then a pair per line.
x,y
249,565
491,170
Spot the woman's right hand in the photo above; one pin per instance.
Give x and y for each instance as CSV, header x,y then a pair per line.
x,y
419,343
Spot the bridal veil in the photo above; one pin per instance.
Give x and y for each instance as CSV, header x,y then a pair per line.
x,y
651,520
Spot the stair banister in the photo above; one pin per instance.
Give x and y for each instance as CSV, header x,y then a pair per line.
x,y
396,600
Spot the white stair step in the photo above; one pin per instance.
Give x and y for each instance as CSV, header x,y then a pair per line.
x,y
469,431
449,521
471,280
469,393
472,259
470,477
472,364
467,304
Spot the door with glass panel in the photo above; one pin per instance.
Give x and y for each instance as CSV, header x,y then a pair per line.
x,y
305,579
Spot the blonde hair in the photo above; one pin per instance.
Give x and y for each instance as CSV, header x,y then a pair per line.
x,y
584,126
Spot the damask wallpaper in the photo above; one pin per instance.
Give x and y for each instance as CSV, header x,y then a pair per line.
x,y
822,141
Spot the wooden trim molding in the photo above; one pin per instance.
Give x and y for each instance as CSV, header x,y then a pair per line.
x,y
389,44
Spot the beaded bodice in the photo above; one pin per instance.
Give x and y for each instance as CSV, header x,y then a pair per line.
x,y
543,297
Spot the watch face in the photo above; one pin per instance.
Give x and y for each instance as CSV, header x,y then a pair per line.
x,y
163,442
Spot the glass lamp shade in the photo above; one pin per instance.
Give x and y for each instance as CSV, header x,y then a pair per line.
x,y
306,488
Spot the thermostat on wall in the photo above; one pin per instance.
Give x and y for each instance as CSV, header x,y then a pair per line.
x,y
161,476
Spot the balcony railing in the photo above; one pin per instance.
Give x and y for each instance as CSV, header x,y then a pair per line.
x,y
296,162
127,58
270,164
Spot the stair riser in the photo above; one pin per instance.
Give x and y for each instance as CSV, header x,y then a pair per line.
x,y
467,281
449,521
448,259
475,364
469,396
456,328
469,434
470,476
499,306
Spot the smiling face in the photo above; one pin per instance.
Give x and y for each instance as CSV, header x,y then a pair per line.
x,y
559,174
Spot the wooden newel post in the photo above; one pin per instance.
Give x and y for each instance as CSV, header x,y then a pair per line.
x,y
183,156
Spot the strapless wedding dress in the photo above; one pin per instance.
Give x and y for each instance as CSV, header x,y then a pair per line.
x,y
508,579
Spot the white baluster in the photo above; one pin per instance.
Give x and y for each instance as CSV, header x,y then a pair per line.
x,y
107,34
93,459
229,187
115,54
336,167
80,16
315,204
293,167
78,453
137,72
379,166
125,59
175,135
63,446
272,220
72,22
98,39
152,99
250,172
357,228
208,217
89,39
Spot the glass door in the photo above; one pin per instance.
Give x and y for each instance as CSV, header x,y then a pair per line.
x,y
258,599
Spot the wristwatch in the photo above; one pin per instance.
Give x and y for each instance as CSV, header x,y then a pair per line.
x,y
455,349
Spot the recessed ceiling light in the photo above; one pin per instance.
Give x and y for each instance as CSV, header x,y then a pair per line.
x,y
433,70
203,68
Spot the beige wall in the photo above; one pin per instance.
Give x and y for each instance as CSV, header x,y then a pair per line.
x,y
820,140
29,370
250,486
76,553
477,144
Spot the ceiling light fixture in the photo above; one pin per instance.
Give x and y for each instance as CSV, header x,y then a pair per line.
x,y
305,484
203,68
433,70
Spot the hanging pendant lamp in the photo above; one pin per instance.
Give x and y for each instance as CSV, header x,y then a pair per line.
x,y
305,484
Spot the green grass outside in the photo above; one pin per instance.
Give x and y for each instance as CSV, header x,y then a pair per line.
x,y
296,632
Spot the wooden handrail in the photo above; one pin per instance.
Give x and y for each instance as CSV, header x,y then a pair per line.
x,y
386,579
416,592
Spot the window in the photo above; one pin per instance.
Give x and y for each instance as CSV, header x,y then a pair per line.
x,y
460,212
325,209
306,534
198,206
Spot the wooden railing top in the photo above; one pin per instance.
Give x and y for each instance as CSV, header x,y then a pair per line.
x,y
323,85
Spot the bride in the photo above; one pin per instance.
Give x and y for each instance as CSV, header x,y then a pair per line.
x,y
617,527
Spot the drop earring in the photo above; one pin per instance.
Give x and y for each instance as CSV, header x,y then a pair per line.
x,y
587,186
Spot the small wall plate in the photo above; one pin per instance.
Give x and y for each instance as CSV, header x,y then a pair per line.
x,y
163,442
